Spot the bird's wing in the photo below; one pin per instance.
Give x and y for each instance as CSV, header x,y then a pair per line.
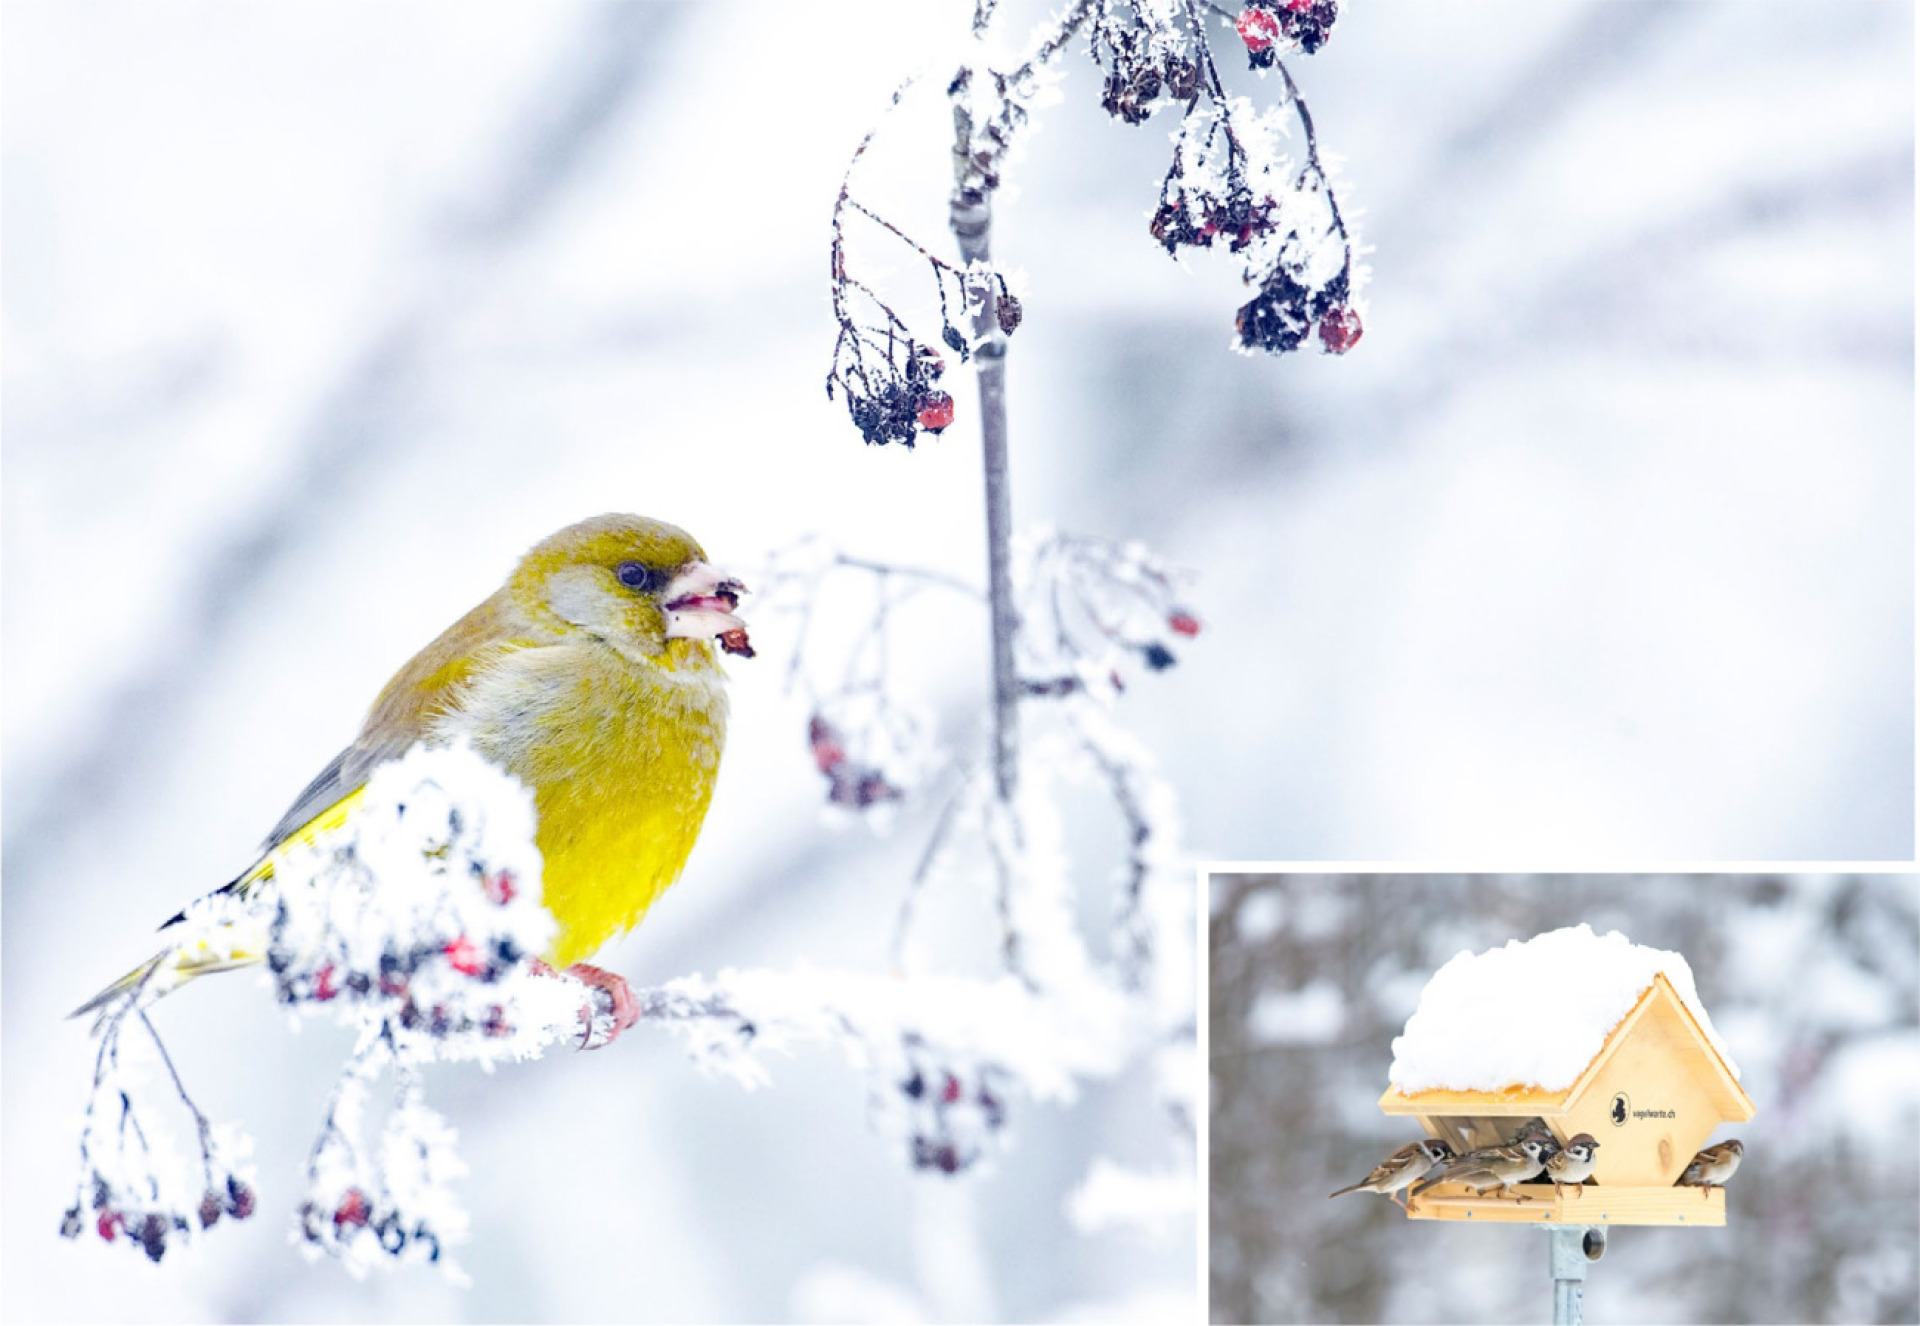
x,y
427,688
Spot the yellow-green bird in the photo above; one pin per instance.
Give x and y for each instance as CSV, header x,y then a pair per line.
x,y
592,677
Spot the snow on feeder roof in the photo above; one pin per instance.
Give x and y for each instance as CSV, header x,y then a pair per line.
x,y
1535,1014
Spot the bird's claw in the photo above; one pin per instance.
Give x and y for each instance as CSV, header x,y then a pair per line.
x,y
613,1009
610,1008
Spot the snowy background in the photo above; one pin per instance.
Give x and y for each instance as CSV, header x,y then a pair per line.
x,y
317,315
1812,981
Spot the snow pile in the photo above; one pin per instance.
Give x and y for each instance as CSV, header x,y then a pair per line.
x,y
1533,1013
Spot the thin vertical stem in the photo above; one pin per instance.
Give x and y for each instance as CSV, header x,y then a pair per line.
x,y
971,217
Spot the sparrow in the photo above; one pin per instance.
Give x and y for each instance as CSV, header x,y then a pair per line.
x,y
1572,1163
1403,1167
1493,1167
1712,1167
592,676
1535,1127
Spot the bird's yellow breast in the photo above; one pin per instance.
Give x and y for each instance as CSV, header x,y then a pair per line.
x,y
621,755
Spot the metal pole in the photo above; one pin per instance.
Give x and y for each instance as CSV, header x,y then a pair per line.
x,y
1570,1248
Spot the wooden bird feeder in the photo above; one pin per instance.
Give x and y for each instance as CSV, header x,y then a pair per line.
x,y
1652,1095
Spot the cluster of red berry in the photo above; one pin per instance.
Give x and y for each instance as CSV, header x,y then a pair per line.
x,y
355,1212
148,1229
849,783
1280,316
951,1120
1196,220
393,982
904,404
1264,24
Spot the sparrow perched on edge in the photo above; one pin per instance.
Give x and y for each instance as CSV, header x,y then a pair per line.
x,y
1405,1166
1494,1167
592,675
1572,1163
1712,1167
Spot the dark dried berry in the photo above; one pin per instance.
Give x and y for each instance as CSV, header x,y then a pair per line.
x,y
1007,312
1277,319
915,1086
210,1208
943,1156
1182,77
951,1091
153,1237
72,1223
1157,656
101,1193
239,1199
1308,23
954,340
392,1237
359,982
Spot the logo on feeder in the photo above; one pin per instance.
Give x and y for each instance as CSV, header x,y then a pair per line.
x,y
1621,1109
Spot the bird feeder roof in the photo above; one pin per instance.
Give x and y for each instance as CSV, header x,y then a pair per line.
x,y
1523,1029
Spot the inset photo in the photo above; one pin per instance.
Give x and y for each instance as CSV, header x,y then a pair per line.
x,y
1613,1098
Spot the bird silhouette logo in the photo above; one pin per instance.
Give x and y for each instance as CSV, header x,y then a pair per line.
x,y
1620,1107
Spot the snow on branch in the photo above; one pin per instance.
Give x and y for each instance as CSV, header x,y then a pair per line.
x,y
1230,183
1065,1005
415,923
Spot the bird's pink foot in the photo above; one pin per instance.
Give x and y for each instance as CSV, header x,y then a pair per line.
x,y
611,1008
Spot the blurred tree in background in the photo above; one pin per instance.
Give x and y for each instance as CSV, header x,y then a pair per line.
x,y
1811,980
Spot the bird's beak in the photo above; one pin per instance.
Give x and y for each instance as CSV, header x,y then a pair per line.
x,y
700,605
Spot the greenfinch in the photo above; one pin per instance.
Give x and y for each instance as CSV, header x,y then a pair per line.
x,y
592,677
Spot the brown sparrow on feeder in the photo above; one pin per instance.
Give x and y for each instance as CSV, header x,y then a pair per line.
x,y
1712,1167
1403,1167
1494,1167
1573,1163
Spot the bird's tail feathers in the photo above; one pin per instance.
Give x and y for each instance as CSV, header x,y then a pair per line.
x,y
233,944
1352,1187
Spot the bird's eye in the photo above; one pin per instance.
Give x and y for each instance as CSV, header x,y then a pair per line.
x,y
638,576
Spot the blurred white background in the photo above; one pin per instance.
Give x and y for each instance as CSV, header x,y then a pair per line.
x,y
316,315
